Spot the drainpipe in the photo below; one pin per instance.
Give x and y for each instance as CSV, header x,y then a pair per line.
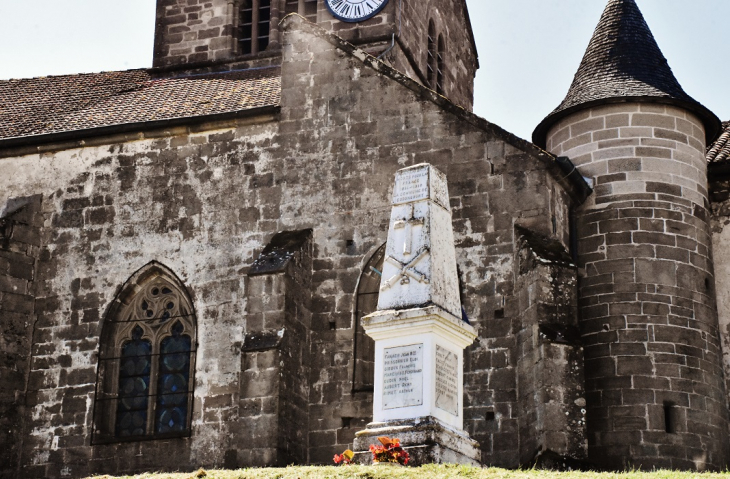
x,y
400,24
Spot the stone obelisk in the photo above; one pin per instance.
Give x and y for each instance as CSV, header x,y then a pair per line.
x,y
418,329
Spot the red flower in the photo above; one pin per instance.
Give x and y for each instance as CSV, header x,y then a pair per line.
x,y
345,457
390,451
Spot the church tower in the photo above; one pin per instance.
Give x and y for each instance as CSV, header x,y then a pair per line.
x,y
655,391
429,40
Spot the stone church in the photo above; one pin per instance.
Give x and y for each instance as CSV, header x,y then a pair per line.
x,y
187,251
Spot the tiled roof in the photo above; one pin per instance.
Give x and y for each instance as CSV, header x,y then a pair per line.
x,y
622,62
719,152
39,106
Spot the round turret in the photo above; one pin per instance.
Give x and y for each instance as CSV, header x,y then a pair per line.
x,y
654,380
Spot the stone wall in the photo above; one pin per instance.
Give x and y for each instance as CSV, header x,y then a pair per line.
x,y
656,396
720,202
202,31
193,31
206,199
460,57
275,372
550,379
20,223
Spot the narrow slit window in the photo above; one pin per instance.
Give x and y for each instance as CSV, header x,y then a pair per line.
x,y
254,26
245,28
431,56
264,23
440,65
669,424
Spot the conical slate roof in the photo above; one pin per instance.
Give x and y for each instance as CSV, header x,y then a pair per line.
x,y
624,63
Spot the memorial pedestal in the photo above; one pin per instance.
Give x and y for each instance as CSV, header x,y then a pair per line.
x,y
419,385
427,441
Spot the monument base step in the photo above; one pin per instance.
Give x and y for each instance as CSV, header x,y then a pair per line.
x,y
427,441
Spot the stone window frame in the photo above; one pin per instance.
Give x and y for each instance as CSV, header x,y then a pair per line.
x,y
368,284
120,321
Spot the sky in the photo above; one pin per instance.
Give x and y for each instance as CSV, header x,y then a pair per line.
x,y
529,50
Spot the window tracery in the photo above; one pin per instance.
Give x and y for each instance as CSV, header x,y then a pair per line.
x,y
146,362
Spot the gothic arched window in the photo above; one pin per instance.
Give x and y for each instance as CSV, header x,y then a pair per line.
x,y
440,65
144,387
431,62
366,302
254,25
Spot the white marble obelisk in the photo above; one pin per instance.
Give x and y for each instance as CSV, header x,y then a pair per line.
x,y
418,330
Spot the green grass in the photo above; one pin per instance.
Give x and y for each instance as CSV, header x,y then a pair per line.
x,y
424,472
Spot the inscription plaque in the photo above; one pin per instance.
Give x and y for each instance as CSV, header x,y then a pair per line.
x,y
411,185
447,377
403,376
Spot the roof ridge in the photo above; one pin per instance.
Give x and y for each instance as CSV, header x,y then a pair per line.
x,y
72,75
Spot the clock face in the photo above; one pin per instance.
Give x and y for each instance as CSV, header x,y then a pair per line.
x,y
354,10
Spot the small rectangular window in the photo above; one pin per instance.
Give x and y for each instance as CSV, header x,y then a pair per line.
x,y
669,419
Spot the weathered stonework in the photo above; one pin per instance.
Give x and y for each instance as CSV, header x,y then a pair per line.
x,y
719,195
551,394
205,199
275,373
655,389
19,249
196,34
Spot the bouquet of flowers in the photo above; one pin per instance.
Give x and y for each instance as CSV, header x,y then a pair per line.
x,y
389,451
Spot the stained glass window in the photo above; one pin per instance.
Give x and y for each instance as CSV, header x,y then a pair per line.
x,y
172,383
134,385
146,361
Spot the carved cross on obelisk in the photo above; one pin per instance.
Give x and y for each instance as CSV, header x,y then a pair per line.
x,y
408,224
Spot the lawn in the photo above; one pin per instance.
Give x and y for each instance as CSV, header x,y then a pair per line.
x,y
424,472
